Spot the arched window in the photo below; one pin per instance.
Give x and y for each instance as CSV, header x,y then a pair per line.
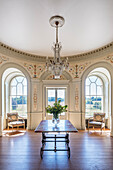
x,y
18,95
94,95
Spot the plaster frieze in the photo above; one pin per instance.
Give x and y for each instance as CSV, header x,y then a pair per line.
x,y
77,69
109,58
35,70
11,52
3,59
51,77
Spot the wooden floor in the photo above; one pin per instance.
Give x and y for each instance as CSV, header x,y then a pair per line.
x,y
20,151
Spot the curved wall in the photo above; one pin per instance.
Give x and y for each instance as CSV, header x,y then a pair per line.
x,y
34,68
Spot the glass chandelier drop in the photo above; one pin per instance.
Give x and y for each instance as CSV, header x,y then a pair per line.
x,y
57,65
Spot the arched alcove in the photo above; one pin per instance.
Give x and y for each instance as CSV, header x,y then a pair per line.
x,y
103,71
8,72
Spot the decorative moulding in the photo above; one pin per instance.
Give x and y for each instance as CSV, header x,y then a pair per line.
x,y
51,77
49,82
109,58
77,69
97,53
11,52
35,98
35,70
76,98
3,59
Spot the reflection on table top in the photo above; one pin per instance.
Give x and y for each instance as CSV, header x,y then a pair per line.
x,y
63,126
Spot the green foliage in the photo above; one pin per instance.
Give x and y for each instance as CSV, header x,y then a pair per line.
x,y
56,109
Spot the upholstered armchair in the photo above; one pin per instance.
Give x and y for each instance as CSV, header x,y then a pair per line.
x,y
98,120
13,120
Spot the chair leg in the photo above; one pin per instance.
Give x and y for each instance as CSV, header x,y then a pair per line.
x,y
101,129
88,127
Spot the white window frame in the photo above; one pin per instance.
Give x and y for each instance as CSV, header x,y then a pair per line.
x,y
25,113
103,96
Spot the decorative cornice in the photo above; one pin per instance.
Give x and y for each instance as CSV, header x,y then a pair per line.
x,y
11,52
99,52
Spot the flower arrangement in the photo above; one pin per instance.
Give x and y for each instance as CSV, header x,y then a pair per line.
x,y
56,109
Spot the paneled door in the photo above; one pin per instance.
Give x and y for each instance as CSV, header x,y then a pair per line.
x,y
53,95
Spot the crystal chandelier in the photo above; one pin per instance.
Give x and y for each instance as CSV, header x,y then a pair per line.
x,y
57,65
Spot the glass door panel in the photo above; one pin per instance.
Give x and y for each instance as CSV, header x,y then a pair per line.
x,y
61,96
51,97
50,100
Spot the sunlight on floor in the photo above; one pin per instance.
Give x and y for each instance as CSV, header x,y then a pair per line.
x,y
97,132
14,133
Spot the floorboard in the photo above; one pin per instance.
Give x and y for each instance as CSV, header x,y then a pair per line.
x,y
89,151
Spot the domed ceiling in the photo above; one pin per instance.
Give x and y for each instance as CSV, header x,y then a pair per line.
x,y
24,25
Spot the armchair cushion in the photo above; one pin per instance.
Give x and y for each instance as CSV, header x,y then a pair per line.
x,y
95,123
16,123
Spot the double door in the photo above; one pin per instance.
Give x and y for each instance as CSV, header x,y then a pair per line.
x,y
54,95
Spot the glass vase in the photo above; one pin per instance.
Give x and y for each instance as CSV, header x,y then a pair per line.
x,y
55,119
